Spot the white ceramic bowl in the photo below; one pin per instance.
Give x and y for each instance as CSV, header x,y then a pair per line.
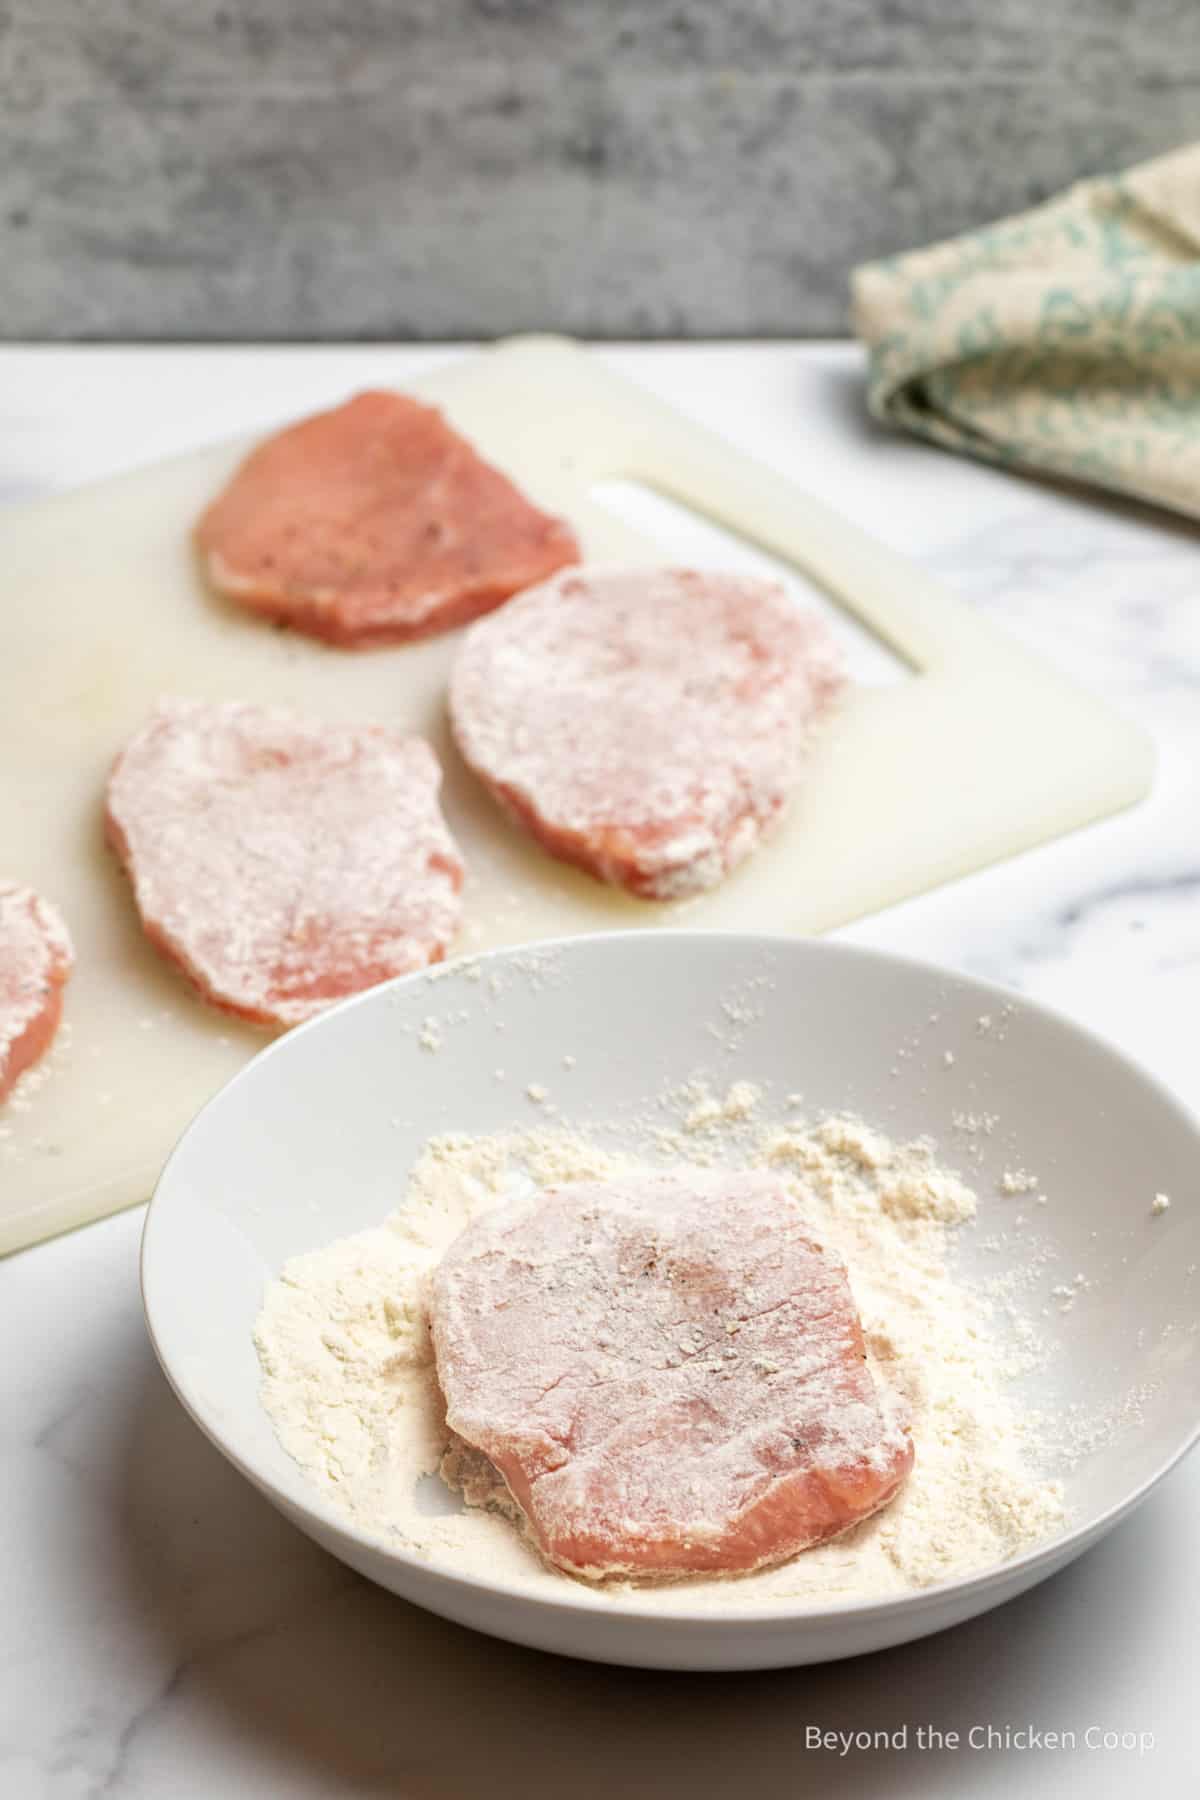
x,y
313,1140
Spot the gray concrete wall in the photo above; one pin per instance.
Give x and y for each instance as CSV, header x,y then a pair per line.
x,y
445,168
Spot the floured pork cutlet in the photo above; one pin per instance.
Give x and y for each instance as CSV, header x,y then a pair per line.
x,y
36,959
282,862
668,1372
648,726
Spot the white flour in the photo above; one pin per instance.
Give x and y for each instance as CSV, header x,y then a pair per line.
x,y
349,1383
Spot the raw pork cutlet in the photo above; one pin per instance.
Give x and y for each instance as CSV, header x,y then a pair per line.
x,y
35,960
667,1371
283,863
645,725
374,523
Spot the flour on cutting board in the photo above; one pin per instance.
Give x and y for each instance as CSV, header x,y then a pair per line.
x,y
348,1375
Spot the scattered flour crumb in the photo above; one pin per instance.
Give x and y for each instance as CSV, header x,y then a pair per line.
x,y
1084,1430
1159,1204
1067,1292
1017,1181
848,1138
970,1123
741,1100
537,1093
707,1110
430,1037
928,1194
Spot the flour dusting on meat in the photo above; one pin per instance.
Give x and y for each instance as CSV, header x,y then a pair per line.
x,y
349,1382
646,725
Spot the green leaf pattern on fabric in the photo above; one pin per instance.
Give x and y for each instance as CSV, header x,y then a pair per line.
x,y
1067,339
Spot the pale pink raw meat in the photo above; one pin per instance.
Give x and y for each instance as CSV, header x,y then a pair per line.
x,y
36,959
284,863
647,726
373,523
668,1372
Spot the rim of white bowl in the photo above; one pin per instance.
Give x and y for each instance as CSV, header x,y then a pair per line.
x,y
580,1599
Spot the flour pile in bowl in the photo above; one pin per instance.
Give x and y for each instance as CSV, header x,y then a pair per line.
x,y
349,1382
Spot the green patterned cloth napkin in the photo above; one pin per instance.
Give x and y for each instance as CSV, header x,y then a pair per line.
x,y
1067,339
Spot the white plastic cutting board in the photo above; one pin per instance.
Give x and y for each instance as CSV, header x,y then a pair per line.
x,y
982,753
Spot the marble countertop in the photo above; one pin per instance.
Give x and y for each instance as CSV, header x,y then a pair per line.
x,y
164,1633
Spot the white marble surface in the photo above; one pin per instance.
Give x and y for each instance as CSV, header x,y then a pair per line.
x,y
164,1633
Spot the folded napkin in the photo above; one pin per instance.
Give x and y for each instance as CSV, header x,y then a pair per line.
x,y
1066,339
